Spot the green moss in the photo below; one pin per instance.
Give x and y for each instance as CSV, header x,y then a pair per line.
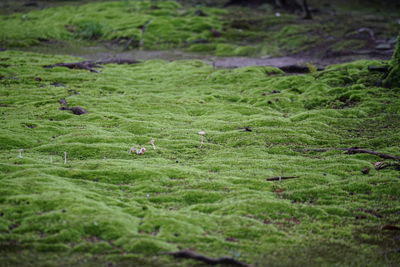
x,y
346,45
158,25
107,205
89,30
167,25
231,50
224,50
393,76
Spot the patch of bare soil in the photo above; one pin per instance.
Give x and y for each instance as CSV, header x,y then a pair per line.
x,y
297,63
14,6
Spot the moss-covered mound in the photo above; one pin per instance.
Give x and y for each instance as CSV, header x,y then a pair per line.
x,y
393,76
148,24
71,193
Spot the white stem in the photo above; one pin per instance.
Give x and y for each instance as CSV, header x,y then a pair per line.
x,y
20,153
65,157
51,159
154,146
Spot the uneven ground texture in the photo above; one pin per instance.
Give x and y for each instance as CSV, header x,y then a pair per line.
x,y
338,30
106,206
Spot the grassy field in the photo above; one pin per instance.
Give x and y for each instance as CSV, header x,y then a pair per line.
x,y
105,204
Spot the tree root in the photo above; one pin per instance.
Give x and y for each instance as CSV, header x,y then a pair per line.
x,y
189,254
90,65
385,165
353,150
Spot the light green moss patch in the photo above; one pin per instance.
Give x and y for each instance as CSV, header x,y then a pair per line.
x,y
106,205
224,50
167,24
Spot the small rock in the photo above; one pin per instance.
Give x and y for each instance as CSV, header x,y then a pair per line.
x,y
62,101
200,13
73,92
246,129
392,40
13,226
272,92
365,170
141,151
378,164
384,46
57,84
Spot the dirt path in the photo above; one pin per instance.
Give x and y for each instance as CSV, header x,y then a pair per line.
x,y
295,63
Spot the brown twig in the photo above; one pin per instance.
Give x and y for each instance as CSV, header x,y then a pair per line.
x,y
353,150
90,65
189,254
384,165
278,178
84,65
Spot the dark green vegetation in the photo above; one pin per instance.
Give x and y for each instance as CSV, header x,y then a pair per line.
x,y
235,31
102,205
393,77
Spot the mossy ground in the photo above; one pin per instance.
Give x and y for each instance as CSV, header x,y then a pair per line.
x,y
234,31
167,24
108,206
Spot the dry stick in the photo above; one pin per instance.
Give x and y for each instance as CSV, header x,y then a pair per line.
x,y
20,153
90,65
388,165
189,254
278,178
352,151
83,65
